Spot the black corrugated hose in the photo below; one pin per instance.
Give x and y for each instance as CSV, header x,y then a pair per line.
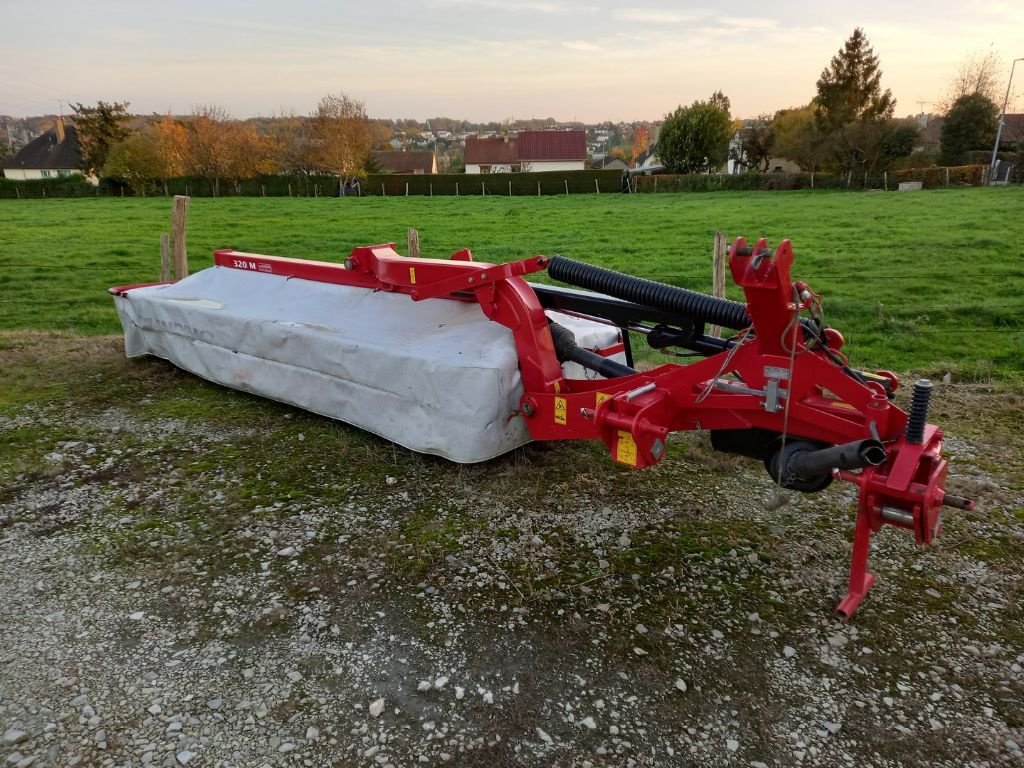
x,y
690,304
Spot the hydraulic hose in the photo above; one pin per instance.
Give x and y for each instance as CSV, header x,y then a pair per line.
x,y
697,306
566,349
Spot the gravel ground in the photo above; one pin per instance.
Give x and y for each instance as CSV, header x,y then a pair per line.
x,y
194,577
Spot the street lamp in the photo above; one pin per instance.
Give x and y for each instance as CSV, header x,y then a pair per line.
x,y
999,130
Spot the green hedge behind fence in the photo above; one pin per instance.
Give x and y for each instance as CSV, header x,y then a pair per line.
x,y
516,184
969,175
502,184
61,186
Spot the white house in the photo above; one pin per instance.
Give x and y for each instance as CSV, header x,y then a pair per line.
x,y
55,153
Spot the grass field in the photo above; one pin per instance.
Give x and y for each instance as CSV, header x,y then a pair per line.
x,y
926,282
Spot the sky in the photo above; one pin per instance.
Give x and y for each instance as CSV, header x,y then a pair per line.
x,y
482,60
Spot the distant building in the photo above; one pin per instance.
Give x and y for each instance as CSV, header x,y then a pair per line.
x,y
492,155
608,163
405,162
527,151
56,153
553,150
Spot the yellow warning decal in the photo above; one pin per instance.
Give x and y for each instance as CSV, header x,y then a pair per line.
x,y
625,449
601,397
560,409
412,275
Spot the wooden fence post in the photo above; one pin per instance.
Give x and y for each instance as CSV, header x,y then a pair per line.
x,y
165,258
718,275
179,224
414,243
597,187
566,186
538,189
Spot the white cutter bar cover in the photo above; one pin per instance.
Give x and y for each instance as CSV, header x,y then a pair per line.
x,y
435,376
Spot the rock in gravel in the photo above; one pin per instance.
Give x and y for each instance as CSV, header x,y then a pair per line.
x,y
681,685
425,685
215,703
588,722
137,616
544,737
376,708
286,552
184,757
14,736
639,651
440,682
732,745
460,692
789,652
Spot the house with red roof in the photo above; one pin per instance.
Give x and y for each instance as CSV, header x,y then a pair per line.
x,y
528,151
415,162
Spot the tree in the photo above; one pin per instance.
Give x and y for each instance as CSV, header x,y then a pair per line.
x,y
209,144
696,138
640,142
849,89
155,153
756,143
99,128
248,153
720,100
798,137
978,74
340,135
971,124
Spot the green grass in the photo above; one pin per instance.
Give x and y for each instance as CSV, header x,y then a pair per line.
x,y
930,281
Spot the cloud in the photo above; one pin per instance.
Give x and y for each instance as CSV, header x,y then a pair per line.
x,y
748,22
659,16
539,6
581,45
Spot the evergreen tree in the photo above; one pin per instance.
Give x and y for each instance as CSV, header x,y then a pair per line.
x,y
849,89
100,128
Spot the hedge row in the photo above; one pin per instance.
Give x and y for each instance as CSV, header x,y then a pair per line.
x,y
504,184
61,186
956,176
932,177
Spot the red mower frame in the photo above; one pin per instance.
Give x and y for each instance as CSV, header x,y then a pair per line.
x,y
781,381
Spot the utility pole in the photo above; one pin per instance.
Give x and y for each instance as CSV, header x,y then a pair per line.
x,y
1002,119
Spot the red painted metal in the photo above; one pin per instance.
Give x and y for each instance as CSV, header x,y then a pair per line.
x,y
771,378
